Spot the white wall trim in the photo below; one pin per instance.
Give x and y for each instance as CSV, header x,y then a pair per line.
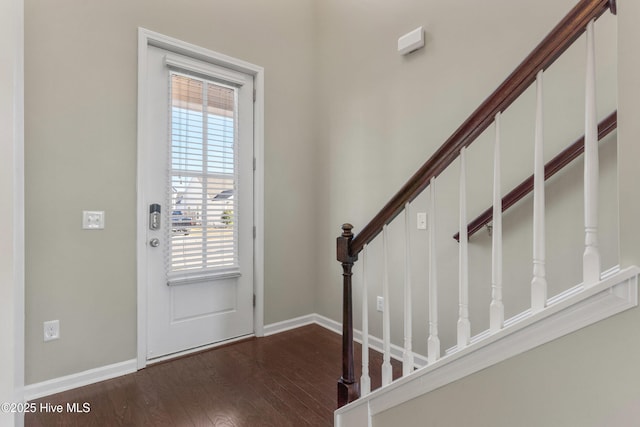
x,y
374,342
286,325
58,385
616,293
12,257
19,212
80,379
141,264
258,195
149,38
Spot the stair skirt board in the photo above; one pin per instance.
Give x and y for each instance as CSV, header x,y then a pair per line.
x,y
566,313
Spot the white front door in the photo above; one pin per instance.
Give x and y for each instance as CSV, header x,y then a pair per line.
x,y
199,193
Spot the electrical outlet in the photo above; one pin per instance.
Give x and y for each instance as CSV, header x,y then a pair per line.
x,y
380,304
51,330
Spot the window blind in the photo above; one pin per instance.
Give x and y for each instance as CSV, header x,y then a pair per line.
x,y
203,177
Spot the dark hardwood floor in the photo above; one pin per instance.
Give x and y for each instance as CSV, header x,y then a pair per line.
x,y
288,379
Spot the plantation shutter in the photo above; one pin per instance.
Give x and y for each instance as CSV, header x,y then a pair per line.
x,y
203,174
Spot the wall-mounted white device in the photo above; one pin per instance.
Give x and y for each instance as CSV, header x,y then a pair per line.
x,y
411,41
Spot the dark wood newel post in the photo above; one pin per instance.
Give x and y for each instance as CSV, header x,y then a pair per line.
x,y
348,389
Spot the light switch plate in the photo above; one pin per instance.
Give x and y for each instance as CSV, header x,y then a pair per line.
x,y
92,220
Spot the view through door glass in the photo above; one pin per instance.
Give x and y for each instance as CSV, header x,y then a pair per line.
x,y
203,176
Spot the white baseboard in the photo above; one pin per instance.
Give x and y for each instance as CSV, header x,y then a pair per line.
x,y
58,385
375,343
286,325
80,379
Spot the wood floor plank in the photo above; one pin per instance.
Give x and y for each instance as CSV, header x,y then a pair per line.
x,y
284,380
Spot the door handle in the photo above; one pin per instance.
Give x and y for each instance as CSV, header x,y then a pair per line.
x,y
154,243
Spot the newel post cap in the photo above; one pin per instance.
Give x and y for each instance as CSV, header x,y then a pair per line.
x,y
344,243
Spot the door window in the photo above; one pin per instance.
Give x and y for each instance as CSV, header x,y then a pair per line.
x,y
203,176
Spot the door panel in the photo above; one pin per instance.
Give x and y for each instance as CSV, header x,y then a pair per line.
x,y
200,171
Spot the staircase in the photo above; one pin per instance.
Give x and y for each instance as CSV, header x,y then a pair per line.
x,y
601,293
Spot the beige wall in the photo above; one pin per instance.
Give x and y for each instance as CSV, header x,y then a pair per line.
x,y
587,379
382,115
81,105
629,130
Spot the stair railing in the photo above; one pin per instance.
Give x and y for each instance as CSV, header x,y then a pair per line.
x,y
580,19
555,165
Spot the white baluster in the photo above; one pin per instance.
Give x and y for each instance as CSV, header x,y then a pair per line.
x,y
496,310
365,379
539,281
407,355
387,373
591,257
433,342
464,326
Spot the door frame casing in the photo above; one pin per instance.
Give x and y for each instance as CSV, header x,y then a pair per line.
x,y
150,38
12,222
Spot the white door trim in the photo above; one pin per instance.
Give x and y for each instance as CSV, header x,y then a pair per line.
x,y
150,38
12,306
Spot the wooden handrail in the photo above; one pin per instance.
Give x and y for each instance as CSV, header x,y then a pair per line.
x,y
553,45
605,127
